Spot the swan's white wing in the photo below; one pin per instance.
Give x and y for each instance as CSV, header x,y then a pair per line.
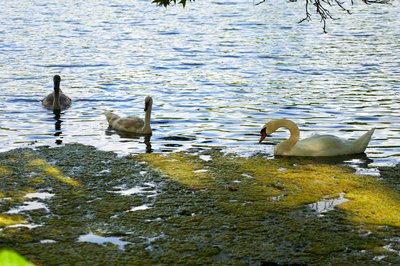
x,y
322,145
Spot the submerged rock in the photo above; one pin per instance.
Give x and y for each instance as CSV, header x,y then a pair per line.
x,y
178,208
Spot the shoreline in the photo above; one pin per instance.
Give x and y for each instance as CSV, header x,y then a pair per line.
x,y
184,208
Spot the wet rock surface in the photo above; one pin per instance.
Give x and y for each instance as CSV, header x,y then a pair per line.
x,y
181,209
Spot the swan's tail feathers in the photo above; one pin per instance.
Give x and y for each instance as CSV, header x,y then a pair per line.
x,y
363,141
110,116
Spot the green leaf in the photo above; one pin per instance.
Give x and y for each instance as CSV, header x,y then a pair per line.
x,y
12,258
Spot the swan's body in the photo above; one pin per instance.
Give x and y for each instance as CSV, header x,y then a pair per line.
x,y
56,100
315,146
132,123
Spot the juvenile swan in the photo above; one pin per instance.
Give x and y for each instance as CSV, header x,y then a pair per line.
x,y
317,145
56,100
132,123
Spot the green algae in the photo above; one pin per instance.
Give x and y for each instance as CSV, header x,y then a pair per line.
x,y
47,170
371,201
4,171
6,220
181,167
225,211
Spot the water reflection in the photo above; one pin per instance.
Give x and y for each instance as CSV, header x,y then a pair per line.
x,y
29,206
326,205
360,162
103,240
126,137
57,127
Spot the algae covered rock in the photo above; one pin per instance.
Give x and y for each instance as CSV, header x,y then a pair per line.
x,y
75,205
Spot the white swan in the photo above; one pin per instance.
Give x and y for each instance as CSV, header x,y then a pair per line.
x,y
56,100
317,145
132,123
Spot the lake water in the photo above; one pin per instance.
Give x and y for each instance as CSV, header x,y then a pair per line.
x,y
217,70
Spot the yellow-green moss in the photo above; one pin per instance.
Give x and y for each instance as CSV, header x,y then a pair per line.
x,y
4,171
370,201
16,195
6,220
241,211
53,172
36,179
374,204
180,167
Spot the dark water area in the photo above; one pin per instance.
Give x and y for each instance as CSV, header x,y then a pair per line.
x,y
217,71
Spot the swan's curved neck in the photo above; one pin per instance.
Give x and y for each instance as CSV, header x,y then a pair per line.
x,y
147,118
288,144
56,100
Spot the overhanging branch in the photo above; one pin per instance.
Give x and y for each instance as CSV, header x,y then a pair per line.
x,y
323,8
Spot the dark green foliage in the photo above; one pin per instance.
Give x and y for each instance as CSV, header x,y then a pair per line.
x,y
168,2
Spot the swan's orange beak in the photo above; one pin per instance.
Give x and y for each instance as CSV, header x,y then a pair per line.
x,y
263,135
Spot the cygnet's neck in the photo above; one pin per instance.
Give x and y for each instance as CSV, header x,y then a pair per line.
x,y
147,118
56,100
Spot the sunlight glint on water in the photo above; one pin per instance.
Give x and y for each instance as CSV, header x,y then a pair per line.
x,y
217,73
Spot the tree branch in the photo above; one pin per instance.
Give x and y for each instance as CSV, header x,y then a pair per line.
x,y
321,7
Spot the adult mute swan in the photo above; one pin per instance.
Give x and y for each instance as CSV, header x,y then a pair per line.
x,y
56,100
132,123
315,146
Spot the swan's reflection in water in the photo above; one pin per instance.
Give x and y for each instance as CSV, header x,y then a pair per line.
x,y
57,127
360,162
126,135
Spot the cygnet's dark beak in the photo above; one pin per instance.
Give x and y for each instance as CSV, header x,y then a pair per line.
x,y
56,78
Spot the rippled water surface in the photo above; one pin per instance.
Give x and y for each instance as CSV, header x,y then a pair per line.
x,y
217,70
